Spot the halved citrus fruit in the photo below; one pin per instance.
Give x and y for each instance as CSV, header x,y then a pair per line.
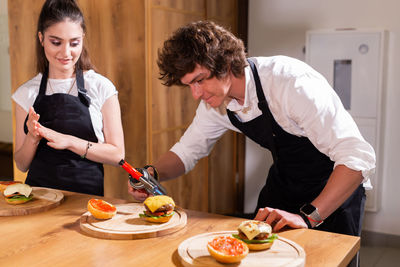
x,y
101,209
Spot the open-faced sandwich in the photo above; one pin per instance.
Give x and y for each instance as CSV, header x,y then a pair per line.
x,y
101,209
227,249
17,193
256,234
158,209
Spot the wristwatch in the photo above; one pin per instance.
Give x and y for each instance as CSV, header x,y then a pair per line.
x,y
311,213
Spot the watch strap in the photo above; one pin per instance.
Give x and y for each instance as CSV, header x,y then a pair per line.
x,y
306,220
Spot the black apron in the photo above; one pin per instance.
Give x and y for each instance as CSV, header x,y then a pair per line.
x,y
63,169
299,172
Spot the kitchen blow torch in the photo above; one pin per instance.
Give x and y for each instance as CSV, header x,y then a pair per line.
x,y
141,179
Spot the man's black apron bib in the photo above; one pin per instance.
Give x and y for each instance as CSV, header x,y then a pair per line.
x,y
299,172
63,169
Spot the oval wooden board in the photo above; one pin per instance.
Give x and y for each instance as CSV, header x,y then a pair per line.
x,y
193,252
43,199
127,224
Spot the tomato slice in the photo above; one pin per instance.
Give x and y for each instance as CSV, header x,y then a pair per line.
x,y
228,245
102,205
160,213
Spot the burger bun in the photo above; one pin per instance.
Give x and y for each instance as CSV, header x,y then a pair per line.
x,y
262,246
17,201
4,184
101,209
160,219
227,258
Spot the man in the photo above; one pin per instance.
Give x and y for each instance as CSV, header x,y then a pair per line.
x,y
321,161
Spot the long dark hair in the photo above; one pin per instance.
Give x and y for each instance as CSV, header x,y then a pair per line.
x,y
54,11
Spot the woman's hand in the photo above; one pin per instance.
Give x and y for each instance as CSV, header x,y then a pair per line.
x,y
33,125
55,139
279,218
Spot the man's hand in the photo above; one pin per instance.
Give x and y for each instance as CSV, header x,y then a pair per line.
x,y
139,195
279,218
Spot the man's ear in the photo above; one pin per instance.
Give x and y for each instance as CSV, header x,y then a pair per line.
x,y
40,36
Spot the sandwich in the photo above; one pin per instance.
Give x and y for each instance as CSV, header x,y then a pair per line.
x,y
4,184
101,209
18,193
227,249
256,234
158,209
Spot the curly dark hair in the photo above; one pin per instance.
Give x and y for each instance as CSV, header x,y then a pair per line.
x,y
55,11
204,43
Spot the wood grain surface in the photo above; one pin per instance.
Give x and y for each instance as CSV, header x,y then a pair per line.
x,y
54,238
43,200
127,224
284,252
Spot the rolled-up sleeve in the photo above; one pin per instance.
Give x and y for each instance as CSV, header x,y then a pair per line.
x,y
198,140
318,112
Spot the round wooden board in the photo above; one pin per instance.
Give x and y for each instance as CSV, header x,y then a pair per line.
x,y
193,252
127,224
43,199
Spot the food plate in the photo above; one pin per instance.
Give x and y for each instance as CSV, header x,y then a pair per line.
x,y
284,252
127,224
43,199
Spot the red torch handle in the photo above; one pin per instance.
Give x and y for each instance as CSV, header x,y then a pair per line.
x,y
132,171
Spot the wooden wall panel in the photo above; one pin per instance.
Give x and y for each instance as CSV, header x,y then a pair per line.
x,y
224,194
212,182
223,12
190,7
170,110
116,40
22,23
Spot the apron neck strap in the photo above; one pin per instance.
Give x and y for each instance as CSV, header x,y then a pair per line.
x,y
80,83
263,106
43,82
82,93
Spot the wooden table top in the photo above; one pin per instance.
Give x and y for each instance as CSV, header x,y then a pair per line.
x,y
54,238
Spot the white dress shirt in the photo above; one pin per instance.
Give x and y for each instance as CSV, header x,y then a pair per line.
x,y
301,102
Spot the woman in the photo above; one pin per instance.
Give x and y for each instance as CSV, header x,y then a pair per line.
x,y
68,120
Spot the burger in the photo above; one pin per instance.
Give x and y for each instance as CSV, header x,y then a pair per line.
x,y
18,193
4,184
256,234
158,209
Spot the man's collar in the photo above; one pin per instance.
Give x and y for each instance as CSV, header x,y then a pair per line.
x,y
234,105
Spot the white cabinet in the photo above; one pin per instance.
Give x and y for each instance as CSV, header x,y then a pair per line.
x,y
353,63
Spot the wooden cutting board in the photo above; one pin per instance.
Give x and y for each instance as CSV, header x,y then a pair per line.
x,y
43,199
284,252
127,224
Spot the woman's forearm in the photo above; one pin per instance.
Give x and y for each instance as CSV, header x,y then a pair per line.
x,y
98,152
24,155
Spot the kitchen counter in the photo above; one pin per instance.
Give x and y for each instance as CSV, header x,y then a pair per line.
x,y
54,238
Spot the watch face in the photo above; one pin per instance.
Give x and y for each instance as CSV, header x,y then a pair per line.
x,y
308,209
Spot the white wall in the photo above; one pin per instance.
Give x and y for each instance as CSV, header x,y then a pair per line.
x,y
5,80
279,27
